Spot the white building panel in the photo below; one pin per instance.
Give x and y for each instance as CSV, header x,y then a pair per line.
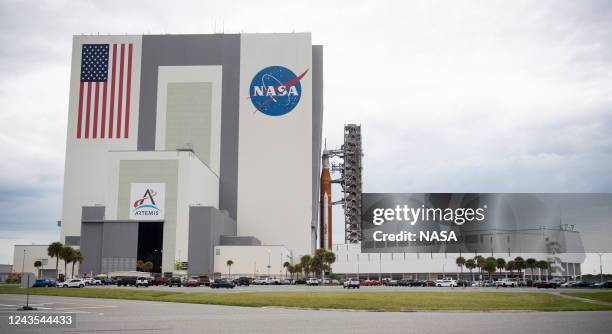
x,y
276,148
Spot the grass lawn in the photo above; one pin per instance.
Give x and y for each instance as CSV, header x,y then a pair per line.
x,y
380,301
605,296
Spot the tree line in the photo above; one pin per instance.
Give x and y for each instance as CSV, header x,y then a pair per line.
x,y
319,263
490,265
60,252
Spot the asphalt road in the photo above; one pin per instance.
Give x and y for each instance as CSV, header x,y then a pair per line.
x,y
126,316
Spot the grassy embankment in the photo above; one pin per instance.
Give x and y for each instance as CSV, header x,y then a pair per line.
x,y
604,296
376,301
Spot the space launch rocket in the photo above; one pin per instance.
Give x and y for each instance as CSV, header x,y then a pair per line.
x,y
325,226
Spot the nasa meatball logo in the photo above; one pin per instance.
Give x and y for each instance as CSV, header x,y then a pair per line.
x,y
276,90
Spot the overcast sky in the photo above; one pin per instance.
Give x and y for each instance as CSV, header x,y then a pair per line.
x,y
491,96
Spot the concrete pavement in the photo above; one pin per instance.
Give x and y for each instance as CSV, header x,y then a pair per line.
x,y
126,316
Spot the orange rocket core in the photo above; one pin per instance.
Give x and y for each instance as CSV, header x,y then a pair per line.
x,y
326,226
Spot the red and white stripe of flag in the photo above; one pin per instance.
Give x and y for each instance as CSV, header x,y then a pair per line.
x,y
104,107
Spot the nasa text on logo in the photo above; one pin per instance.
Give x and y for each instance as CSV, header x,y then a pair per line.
x,y
145,206
276,90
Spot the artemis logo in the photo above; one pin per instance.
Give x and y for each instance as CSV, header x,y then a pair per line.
x,y
276,90
147,201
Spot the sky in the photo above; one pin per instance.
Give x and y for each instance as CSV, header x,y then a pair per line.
x,y
454,96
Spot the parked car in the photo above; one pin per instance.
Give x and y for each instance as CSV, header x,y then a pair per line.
x,y
204,280
175,281
73,283
603,285
285,282
260,281
242,281
160,280
505,282
369,282
126,281
567,284
299,281
446,282
390,282
581,284
142,281
222,283
193,282
545,285
351,283
312,281
43,283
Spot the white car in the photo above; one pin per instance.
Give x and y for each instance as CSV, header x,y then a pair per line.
x,y
446,282
312,281
351,283
72,283
142,281
511,282
260,281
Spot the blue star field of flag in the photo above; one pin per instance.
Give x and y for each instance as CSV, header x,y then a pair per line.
x,y
94,62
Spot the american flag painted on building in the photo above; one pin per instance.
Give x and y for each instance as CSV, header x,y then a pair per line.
x,y
105,91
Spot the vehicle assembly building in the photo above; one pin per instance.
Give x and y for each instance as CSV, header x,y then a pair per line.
x,y
181,147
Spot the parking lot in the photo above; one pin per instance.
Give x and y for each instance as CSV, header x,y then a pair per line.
x,y
296,288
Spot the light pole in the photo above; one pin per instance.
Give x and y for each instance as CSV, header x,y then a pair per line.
x,y
269,254
600,267
27,306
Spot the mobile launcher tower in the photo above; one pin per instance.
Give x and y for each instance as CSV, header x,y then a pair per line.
x,y
350,169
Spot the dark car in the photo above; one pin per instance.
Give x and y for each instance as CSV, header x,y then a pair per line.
x,y
581,284
242,281
43,283
175,281
404,282
428,283
299,281
160,280
545,285
204,280
193,281
222,283
603,285
127,280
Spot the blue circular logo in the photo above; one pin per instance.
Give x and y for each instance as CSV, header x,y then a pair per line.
x,y
276,90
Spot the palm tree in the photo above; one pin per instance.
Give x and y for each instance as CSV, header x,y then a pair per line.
x,y
53,251
510,266
297,269
305,264
519,264
37,265
78,257
501,264
147,266
290,269
229,264
543,265
470,264
480,263
460,261
286,265
490,266
531,264
66,254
